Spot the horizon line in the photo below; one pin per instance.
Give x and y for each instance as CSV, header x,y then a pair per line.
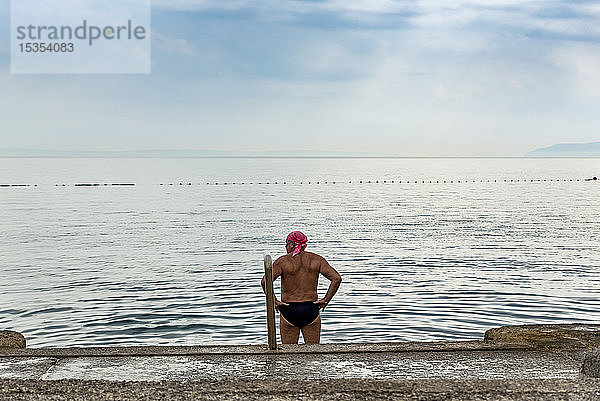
x,y
297,157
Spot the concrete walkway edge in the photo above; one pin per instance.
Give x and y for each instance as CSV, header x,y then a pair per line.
x,y
441,346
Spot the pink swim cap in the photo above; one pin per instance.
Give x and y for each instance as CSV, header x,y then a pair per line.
x,y
299,239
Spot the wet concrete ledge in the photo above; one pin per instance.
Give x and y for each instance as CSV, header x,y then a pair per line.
x,y
536,362
546,337
197,350
284,390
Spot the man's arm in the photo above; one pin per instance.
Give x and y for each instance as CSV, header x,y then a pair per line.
x,y
335,279
276,273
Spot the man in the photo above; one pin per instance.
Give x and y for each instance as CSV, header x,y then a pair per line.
x,y
300,304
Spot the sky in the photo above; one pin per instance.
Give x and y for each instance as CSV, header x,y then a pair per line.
x,y
413,78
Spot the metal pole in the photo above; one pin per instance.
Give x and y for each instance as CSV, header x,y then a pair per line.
x,y
270,303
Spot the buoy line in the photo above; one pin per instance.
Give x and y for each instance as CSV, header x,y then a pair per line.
x,y
461,181
320,182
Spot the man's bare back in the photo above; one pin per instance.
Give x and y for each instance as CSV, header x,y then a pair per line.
x,y
299,305
299,276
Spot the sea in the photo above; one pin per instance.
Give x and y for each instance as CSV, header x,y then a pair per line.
x,y
115,252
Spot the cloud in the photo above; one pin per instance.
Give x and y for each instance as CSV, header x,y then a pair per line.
x,y
468,26
202,5
580,64
172,45
428,77
292,6
543,20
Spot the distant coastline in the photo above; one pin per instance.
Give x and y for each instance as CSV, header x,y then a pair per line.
x,y
591,149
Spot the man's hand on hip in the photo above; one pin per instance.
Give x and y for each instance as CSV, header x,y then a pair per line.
x,y
322,303
279,303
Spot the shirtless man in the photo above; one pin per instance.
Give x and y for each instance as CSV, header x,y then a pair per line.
x,y
299,305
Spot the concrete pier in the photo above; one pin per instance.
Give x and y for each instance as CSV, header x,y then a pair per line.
x,y
467,370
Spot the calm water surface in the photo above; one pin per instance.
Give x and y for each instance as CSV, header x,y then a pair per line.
x,y
181,264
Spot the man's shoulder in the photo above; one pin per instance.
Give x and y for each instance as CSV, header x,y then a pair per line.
x,y
282,258
313,255
288,257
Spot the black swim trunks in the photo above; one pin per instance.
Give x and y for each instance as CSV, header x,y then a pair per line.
x,y
300,314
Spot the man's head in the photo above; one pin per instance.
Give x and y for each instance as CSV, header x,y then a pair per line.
x,y
295,242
